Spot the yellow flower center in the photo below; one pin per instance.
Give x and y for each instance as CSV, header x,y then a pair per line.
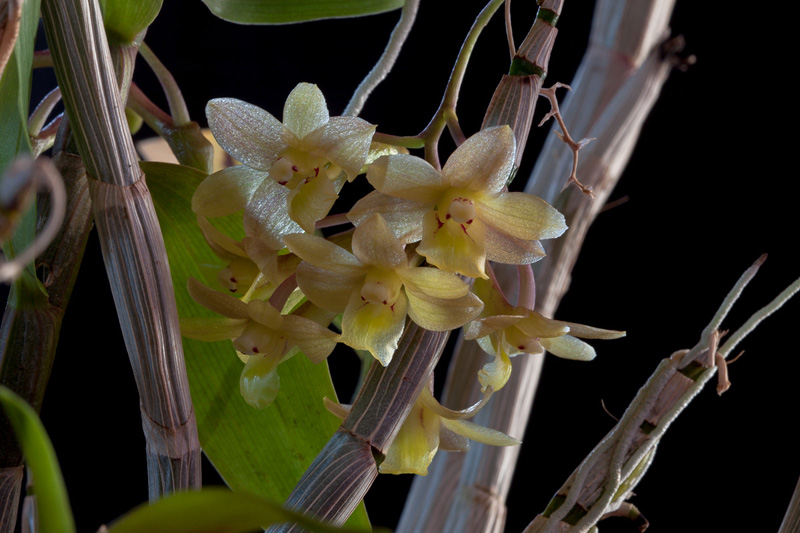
x,y
381,287
258,339
295,167
457,206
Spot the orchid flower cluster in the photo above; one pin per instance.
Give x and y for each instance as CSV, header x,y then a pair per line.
x,y
417,241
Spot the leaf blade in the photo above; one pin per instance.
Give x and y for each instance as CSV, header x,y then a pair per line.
x,y
287,12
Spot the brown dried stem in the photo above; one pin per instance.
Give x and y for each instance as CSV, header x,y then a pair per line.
x,y
133,247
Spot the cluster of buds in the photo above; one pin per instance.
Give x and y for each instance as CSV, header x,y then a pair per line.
x,y
418,240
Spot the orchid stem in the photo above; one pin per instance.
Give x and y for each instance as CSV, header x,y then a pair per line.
x,y
387,59
177,105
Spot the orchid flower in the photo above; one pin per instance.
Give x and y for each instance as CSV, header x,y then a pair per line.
x,y
462,215
291,172
428,428
504,331
376,287
262,336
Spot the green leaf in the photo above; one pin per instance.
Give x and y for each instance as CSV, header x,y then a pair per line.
x,y
210,510
54,511
288,11
15,91
262,452
125,19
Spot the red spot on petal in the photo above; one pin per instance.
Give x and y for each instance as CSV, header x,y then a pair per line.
x,y
316,171
447,217
255,349
385,302
469,221
294,168
521,347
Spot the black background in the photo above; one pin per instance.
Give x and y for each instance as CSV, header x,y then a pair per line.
x,y
711,186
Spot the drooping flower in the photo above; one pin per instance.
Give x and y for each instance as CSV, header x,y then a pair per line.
x,y
428,428
375,287
262,336
504,331
296,167
462,215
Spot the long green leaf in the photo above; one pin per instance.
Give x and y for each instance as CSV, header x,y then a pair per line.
x,y
262,452
211,510
288,11
54,511
15,91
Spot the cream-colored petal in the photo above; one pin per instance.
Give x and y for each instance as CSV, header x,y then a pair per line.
x,y
324,254
226,191
495,373
403,216
408,177
326,289
432,404
265,314
536,325
503,248
415,445
310,202
221,303
483,162
259,382
569,347
433,282
374,327
521,215
266,217
451,247
485,326
305,110
315,341
247,132
438,314
345,142
214,329
375,244
479,433
223,246
589,332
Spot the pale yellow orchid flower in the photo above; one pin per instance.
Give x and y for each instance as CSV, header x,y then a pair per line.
x,y
262,336
462,215
504,331
375,287
428,428
291,171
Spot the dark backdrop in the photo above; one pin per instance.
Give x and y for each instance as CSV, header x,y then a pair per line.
x,y
710,188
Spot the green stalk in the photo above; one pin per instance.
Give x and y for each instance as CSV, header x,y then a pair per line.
x,y
133,248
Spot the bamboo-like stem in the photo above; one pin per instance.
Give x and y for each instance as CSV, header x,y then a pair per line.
x,y
791,520
344,470
615,87
387,59
10,481
133,248
608,475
